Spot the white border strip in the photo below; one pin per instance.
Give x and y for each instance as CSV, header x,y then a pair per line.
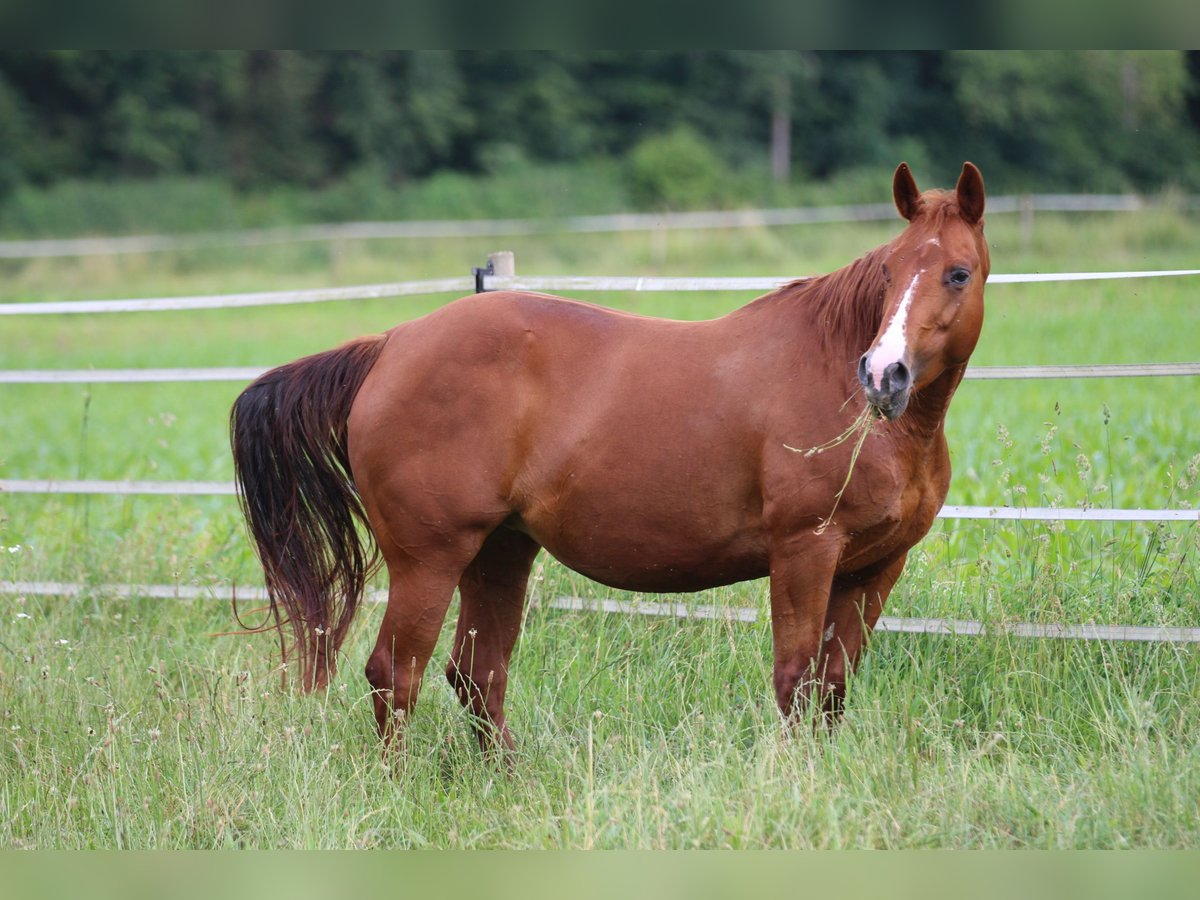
x,y
249,373
934,626
950,511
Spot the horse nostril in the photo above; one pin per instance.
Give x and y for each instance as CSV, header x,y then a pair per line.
x,y
862,370
897,377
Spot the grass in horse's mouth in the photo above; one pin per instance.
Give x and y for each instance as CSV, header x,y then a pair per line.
x,y
861,426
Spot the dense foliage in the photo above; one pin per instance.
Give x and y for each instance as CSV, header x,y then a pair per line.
x,y
1060,120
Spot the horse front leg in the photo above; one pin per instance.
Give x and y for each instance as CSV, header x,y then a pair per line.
x,y
802,570
855,604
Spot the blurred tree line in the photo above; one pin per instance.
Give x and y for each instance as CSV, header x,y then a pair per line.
x,y
1056,120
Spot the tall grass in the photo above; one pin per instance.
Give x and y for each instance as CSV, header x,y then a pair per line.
x,y
633,733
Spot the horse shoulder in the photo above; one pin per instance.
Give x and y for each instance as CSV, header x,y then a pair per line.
x,y
890,503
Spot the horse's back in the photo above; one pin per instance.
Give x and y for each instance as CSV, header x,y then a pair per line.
x,y
519,351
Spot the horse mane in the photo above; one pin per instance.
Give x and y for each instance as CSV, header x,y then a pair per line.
x,y
845,305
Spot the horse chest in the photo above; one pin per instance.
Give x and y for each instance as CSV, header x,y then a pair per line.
x,y
892,513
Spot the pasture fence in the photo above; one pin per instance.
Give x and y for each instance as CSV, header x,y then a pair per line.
x,y
949,511
482,281
1025,205
641,607
249,373
500,274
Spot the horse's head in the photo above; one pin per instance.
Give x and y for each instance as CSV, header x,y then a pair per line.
x,y
933,299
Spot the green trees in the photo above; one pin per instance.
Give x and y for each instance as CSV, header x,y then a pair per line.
x,y
1043,119
1079,119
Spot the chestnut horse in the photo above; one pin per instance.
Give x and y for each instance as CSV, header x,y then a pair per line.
x,y
647,454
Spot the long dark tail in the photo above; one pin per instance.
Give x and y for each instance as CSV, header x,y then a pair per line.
x,y
288,433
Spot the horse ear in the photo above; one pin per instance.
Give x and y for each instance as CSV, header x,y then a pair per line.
x,y
905,192
970,193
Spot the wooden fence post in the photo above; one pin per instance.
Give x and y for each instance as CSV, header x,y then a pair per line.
x,y
503,263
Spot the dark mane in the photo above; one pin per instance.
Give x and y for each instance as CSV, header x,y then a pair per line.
x,y
846,305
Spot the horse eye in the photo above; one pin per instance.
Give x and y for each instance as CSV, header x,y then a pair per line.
x,y
959,276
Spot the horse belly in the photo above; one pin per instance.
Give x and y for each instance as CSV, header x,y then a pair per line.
x,y
628,539
632,565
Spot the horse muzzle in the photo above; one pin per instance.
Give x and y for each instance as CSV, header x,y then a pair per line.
x,y
890,396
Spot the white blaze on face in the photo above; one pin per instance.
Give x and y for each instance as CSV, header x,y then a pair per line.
x,y
892,345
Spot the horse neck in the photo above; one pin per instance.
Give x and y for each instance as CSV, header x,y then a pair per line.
x,y
925,417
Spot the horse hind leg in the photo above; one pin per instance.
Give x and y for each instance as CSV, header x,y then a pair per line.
x,y
419,594
492,592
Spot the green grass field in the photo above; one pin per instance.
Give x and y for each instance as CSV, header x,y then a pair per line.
x,y
126,723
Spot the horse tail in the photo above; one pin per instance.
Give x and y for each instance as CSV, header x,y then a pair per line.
x,y
297,493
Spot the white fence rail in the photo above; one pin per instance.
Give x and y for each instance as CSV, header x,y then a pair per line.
x,y
120,488
249,373
636,284
1027,205
950,511
127,376
234,301
748,614
463,285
